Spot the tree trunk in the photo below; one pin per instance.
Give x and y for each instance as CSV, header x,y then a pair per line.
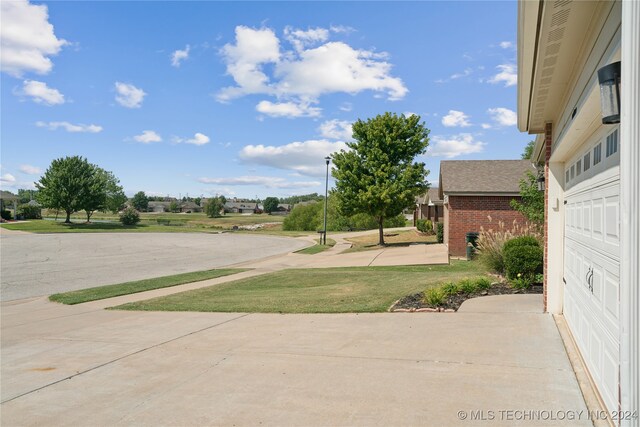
x,y
68,220
89,213
381,231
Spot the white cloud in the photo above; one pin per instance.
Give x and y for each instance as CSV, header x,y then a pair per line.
x,y
336,129
69,127
147,137
300,39
306,157
467,72
346,106
287,109
508,74
30,170
27,38
266,181
41,93
7,178
303,74
456,119
180,55
485,126
503,116
128,95
454,146
506,45
198,139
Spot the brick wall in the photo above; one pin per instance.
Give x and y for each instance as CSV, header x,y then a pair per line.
x,y
469,213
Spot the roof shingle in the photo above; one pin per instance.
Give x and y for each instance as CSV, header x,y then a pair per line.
x,y
483,176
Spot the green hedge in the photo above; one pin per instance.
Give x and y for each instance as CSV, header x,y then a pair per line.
x,y
523,262
440,232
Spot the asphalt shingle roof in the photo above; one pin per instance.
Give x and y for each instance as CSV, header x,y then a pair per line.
x,y
483,176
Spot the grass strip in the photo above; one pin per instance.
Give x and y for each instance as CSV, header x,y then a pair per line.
x,y
110,291
321,290
316,249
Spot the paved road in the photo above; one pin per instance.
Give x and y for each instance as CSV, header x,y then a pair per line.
x,y
78,365
42,264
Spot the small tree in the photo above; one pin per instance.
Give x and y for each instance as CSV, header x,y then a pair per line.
x,y
270,204
173,206
140,201
531,204
213,207
65,185
378,175
528,150
129,216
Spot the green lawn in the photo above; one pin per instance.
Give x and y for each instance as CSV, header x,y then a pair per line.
x,y
150,223
110,291
317,248
330,290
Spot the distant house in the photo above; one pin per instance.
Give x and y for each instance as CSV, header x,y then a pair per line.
x,y
240,207
158,207
9,200
429,206
472,191
190,207
282,209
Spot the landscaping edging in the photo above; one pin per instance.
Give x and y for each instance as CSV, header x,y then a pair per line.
x,y
414,303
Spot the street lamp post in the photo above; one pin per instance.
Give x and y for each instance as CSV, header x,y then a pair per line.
x,y
326,193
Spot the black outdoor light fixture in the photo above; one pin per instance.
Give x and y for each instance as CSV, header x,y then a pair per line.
x,y
609,80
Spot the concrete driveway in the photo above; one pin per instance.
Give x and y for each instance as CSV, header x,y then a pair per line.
x,y
78,365
42,264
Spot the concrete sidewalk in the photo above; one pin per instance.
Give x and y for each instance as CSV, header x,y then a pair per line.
x,y
77,365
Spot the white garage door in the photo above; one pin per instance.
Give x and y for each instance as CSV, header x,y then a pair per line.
x,y
592,261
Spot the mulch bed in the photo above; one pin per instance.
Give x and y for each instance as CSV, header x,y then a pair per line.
x,y
415,302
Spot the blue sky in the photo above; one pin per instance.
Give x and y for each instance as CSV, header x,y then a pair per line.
x,y
247,98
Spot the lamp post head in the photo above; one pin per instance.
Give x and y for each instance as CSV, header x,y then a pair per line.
x,y
328,159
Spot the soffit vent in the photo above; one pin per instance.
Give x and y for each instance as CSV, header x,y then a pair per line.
x,y
561,3
549,60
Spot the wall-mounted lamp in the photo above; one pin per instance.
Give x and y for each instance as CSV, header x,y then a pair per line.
x,y
609,80
540,180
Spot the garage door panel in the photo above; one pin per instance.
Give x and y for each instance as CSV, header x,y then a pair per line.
x,y
591,271
612,219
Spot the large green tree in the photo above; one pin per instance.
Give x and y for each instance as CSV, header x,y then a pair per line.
x,y
270,204
140,201
378,175
103,193
65,185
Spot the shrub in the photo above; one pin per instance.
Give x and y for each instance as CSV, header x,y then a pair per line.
x,y
467,286
482,283
440,232
520,241
450,289
434,297
30,212
425,226
129,216
491,243
6,215
523,263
